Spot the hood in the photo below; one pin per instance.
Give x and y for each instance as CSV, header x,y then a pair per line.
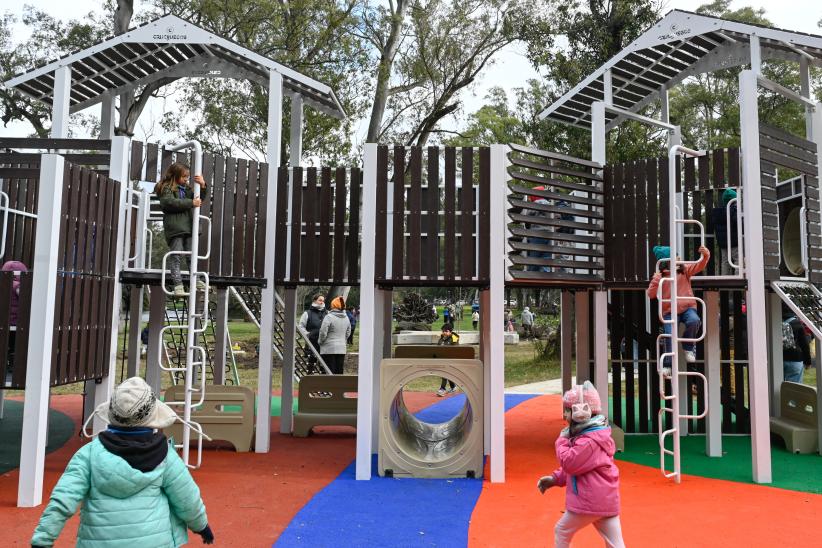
x,y
14,266
339,313
114,475
603,438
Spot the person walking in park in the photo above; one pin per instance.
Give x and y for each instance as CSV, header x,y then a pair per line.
x,y
334,333
475,319
447,337
796,347
352,319
177,202
686,305
527,320
310,322
132,487
585,451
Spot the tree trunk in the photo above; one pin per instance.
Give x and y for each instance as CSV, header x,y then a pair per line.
x,y
384,72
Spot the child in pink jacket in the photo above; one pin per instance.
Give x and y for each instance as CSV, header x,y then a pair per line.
x,y
585,451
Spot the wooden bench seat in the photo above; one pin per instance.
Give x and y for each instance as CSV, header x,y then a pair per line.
x,y
797,425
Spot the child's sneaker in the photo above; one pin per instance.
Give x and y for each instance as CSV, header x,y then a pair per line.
x,y
690,356
452,390
179,291
441,392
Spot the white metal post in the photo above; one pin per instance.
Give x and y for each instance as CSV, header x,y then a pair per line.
x,y
107,116
289,351
496,359
601,347
267,298
156,319
380,350
368,310
713,368
218,360
608,87
805,91
487,325
135,315
118,171
566,326
776,364
583,324
755,274
815,134
41,332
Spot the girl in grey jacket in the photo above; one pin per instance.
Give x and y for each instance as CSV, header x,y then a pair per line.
x,y
334,333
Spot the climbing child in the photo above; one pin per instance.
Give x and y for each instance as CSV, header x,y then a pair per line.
x,y
585,451
686,307
133,488
178,202
447,337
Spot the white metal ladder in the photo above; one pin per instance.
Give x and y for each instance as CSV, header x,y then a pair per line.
x,y
673,373
191,369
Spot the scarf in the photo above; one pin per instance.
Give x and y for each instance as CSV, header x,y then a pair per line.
x,y
577,428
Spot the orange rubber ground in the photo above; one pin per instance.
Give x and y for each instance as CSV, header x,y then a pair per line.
x,y
655,512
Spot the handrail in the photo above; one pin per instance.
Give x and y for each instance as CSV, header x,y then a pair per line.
x,y
4,197
734,201
803,237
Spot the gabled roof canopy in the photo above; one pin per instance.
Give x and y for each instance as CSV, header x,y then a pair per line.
x,y
680,45
167,47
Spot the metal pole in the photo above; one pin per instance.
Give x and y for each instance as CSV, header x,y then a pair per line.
x,y
289,350
566,326
713,369
755,274
220,336
598,154
486,332
583,323
498,216
156,319
368,308
267,298
135,314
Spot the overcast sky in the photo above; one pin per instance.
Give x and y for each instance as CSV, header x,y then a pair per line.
x,y
511,68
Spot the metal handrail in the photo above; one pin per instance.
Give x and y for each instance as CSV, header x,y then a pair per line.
x,y
4,197
734,201
803,237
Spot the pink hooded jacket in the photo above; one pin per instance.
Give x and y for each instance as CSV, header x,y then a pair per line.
x,y
588,473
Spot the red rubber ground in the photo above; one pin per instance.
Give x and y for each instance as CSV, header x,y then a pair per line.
x,y
655,511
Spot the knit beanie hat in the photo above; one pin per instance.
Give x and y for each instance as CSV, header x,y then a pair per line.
x,y
662,252
338,303
728,195
589,396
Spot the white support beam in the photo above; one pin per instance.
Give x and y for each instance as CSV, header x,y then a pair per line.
x,y
608,87
267,299
41,329
118,171
289,353
598,132
566,303
713,368
805,91
486,332
295,151
135,327
108,115
60,106
601,346
776,364
665,105
583,325
220,336
756,54
496,360
755,274
368,311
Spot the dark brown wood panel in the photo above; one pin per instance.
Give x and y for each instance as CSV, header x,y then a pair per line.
x,y
398,247
325,248
340,180
353,237
450,212
415,214
431,264
382,214
296,223
467,246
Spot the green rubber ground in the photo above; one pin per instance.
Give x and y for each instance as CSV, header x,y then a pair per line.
x,y
61,428
794,472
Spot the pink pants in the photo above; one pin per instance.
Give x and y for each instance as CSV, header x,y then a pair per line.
x,y
608,528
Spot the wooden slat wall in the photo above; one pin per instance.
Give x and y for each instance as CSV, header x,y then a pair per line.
x,y
324,216
558,234
235,203
22,193
636,197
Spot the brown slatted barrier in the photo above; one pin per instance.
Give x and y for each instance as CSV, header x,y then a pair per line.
x,y
559,237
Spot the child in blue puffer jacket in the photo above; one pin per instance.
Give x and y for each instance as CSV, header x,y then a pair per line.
x,y
134,488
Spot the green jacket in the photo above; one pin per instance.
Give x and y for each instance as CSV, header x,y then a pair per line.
x,y
178,213
121,506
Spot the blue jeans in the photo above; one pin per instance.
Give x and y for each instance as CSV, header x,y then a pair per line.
x,y
538,255
692,324
794,371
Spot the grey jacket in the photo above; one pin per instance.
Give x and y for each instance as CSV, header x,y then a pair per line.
x,y
334,332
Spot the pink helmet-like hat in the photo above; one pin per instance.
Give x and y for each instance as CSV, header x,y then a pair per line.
x,y
589,396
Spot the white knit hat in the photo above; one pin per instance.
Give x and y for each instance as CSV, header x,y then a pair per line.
x,y
134,404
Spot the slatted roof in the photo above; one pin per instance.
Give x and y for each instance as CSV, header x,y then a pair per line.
x,y
680,45
167,47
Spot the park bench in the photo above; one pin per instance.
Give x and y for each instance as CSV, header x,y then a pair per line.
x,y
227,414
325,400
797,425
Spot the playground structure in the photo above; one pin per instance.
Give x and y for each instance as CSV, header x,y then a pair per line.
x,y
439,216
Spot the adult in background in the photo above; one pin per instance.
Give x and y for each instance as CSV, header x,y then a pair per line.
x,y
475,319
796,348
334,332
352,319
311,321
527,320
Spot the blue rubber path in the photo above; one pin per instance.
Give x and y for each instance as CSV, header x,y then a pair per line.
x,y
388,511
